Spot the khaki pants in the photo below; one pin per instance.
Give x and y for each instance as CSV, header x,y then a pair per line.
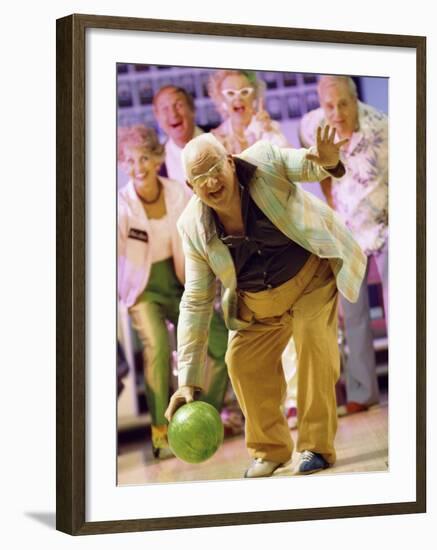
x,y
305,307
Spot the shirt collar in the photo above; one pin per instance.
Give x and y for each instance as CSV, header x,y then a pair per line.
x,y
245,170
173,145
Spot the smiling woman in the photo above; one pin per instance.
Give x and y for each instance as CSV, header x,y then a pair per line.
x,y
141,155
150,263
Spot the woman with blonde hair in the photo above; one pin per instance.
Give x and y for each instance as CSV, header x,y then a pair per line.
x,y
238,97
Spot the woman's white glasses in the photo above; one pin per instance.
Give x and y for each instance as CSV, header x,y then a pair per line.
x,y
230,94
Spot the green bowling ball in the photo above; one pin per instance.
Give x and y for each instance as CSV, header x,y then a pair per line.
x,y
195,432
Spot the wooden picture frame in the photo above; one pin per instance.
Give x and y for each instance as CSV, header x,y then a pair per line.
x,y
71,273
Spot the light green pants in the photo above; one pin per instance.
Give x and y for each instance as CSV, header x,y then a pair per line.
x,y
160,302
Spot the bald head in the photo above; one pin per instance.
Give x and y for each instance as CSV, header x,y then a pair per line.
x,y
211,173
200,153
339,101
332,80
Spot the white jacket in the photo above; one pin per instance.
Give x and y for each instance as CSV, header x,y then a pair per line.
x,y
133,250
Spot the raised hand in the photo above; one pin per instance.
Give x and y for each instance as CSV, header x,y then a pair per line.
x,y
263,117
328,152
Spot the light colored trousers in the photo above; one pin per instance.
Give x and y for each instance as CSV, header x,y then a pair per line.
x,y
305,307
361,377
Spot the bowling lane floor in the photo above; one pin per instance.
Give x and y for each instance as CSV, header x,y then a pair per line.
x,y
361,443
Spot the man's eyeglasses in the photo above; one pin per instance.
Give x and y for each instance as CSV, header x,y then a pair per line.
x,y
232,94
201,179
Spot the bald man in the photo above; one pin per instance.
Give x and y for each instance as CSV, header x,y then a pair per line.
x,y
281,256
361,200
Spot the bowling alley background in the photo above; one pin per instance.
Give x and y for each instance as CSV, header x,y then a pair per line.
x,y
288,96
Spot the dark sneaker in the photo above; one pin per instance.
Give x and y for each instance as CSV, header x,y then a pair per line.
x,y
311,462
162,453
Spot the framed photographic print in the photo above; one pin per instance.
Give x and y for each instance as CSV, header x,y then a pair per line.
x,y
130,94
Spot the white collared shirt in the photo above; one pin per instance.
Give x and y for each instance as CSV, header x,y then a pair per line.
x,y
173,159
135,233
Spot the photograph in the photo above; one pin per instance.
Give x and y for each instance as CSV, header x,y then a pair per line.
x,y
296,390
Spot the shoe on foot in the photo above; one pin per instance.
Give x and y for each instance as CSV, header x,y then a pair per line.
x,y
311,462
262,468
162,453
353,407
160,447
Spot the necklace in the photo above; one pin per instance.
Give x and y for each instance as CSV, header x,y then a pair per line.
x,y
241,140
156,199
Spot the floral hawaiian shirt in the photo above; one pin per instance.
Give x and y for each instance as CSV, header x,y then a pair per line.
x,y
361,195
